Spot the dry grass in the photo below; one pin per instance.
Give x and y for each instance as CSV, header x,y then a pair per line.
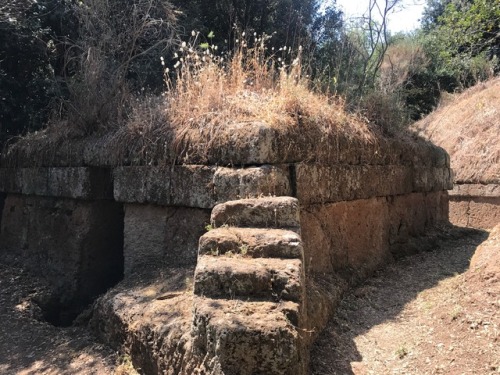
x,y
209,95
468,127
210,92
250,85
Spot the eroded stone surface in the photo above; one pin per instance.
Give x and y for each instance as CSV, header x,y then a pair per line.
x,y
238,183
249,313
2,202
346,235
230,277
247,337
272,212
162,235
252,242
358,235
197,185
71,182
77,245
475,212
151,316
476,190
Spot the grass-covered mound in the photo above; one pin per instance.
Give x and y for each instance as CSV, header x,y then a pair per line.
x,y
252,106
467,126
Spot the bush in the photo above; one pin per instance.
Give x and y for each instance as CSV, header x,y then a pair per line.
x,y
116,56
386,110
30,62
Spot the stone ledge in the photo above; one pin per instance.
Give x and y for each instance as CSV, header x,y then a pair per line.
x,y
252,242
72,182
272,212
340,183
196,185
268,278
475,190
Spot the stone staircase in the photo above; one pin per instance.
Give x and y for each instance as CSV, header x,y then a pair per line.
x,y
249,289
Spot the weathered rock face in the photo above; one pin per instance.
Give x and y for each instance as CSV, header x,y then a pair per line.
x,y
2,202
75,182
253,242
362,235
152,316
197,185
77,245
162,235
475,205
249,311
274,212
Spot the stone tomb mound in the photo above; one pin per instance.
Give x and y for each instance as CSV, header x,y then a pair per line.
x,y
232,261
468,128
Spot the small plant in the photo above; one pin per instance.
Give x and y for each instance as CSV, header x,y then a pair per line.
x,y
214,251
402,352
189,284
209,227
456,312
243,249
125,366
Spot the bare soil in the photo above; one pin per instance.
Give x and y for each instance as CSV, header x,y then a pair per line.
x,y
29,345
427,314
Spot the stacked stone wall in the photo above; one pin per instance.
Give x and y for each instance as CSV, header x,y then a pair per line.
x,y
475,205
62,224
354,211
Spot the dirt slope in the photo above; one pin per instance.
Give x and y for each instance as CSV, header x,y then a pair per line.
x,y
468,127
428,314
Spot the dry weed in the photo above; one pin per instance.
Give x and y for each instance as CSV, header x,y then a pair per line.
x,y
208,91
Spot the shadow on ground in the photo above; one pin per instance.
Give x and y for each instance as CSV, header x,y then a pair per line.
x,y
29,345
383,297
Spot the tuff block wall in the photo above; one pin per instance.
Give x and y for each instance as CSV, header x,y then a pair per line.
x,y
475,205
360,205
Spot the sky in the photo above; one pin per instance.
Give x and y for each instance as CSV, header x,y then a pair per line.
x,y
405,19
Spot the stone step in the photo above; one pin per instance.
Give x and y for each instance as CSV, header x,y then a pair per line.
x,y
251,242
259,278
247,337
269,212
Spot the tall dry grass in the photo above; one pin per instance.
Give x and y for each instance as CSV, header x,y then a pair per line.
x,y
208,90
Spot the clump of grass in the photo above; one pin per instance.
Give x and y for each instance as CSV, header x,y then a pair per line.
x,y
252,83
209,90
402,352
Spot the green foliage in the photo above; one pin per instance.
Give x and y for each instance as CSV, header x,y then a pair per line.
x,y
432,11
287,20
31,62
464,41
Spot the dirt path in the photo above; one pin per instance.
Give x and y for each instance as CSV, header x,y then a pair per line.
x,y
30,346
427,314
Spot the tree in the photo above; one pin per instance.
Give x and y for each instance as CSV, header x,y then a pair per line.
x,y
287,20
432,11
464,43
30,61
115,56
